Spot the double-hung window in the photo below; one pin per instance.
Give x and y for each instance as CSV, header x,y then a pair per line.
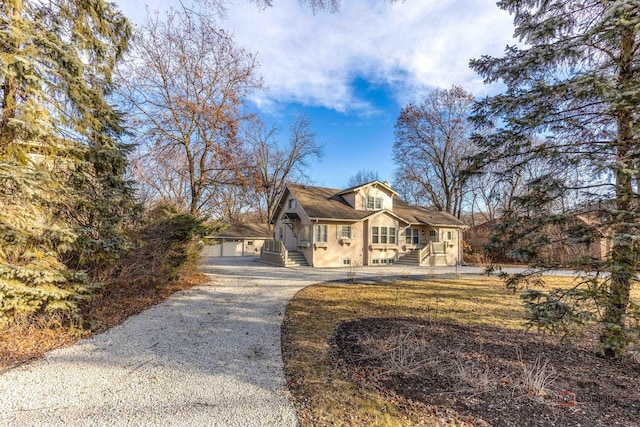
x,y
321,233
292,203
370,203
374,203
383,235
344,232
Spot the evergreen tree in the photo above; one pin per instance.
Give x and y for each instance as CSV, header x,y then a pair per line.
x,y
61,165
575,84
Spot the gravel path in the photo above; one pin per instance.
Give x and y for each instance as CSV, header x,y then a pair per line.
x,y
209,356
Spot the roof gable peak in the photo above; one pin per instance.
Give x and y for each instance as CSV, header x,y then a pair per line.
x,y
375,183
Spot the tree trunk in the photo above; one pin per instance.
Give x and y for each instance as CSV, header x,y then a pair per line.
x,y
622,254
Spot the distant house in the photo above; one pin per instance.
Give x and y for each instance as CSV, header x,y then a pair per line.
x,y
562,250
364,225
238,240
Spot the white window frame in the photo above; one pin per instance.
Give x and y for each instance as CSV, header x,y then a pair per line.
x,y
370,203
432,233
321,233
374,203
384,235
346,262
305,234
379,203
292,203
447,236
342,234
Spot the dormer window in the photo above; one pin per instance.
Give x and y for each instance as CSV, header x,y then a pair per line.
x,y
374,203
292,203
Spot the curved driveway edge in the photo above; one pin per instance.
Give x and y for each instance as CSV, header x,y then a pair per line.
x,y
208,356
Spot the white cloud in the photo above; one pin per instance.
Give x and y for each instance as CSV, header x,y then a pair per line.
x,y
413,46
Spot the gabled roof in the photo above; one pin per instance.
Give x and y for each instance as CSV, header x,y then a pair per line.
x,y
373,183
321,203
245,231
324,203
420,215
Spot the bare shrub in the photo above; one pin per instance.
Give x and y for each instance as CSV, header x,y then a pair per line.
x,y
472,374
536,378
354,267
403,351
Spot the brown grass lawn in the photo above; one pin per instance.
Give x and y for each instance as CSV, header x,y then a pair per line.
x,y
332,387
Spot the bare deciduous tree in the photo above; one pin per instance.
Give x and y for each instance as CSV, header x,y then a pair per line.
x,y
276,163
362,177
431,144
187,81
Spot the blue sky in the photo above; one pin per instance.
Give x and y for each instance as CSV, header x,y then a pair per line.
x,y
351,72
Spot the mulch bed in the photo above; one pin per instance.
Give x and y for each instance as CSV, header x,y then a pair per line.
x,y
481,372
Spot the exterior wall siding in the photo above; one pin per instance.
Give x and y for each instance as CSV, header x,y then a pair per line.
x,y
382,251
452,245
337,249
360,198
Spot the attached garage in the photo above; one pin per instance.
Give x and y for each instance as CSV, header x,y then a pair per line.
x,y
238,240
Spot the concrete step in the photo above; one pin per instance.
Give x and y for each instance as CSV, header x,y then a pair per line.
x,y
296,259
409,259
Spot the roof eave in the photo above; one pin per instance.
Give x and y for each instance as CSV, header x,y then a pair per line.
x,y
335,219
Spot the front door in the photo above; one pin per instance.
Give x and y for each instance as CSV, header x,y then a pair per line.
x,y
412,236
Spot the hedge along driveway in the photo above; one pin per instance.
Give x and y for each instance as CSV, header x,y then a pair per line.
x,y
207,356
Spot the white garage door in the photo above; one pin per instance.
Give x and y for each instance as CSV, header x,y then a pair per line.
x,y
233,248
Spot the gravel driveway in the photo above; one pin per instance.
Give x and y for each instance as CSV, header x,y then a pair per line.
x,y
209,356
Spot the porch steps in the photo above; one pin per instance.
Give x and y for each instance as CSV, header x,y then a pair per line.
x,y
437,259
411,258
295,259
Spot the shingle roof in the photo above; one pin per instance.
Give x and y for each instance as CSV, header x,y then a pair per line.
x,y
246,231
417,215
327,203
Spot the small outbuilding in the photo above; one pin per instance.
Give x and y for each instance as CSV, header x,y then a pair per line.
x,y
238,240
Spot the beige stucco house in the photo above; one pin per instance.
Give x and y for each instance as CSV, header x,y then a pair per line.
x,y
367,225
